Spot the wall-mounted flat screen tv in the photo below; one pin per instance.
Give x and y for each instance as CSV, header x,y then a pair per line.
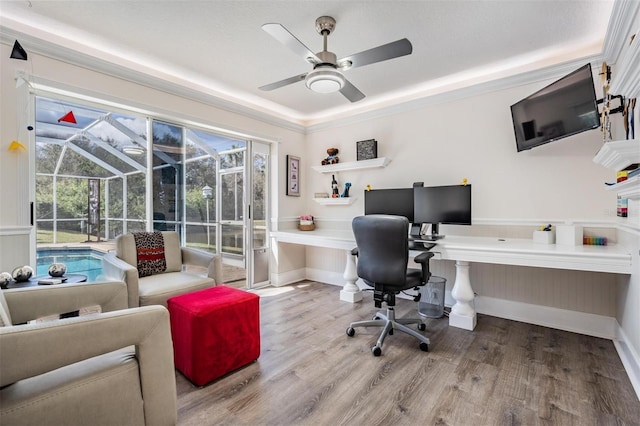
x,y
563,108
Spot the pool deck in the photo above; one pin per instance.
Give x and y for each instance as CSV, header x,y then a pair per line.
x,y
102,246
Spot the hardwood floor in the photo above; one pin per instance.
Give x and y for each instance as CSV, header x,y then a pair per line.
x,y
234,276
503,373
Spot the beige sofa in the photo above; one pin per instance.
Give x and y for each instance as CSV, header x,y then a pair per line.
x,y
109,368
187,270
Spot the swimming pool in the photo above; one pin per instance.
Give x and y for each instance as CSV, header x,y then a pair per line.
x,y
78,260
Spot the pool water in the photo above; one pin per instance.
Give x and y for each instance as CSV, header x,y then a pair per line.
x,y
78,261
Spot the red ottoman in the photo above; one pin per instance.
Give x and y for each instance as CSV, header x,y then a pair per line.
x,y
215,331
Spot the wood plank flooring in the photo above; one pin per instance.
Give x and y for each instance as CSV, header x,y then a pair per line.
x,y
503,373
234,276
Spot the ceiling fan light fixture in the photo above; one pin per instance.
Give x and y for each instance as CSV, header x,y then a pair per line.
x,y
133,150
325,79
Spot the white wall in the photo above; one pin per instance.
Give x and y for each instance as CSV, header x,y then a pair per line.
x,y
472,138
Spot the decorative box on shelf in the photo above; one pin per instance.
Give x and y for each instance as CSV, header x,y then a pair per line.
x,y
366,150
306,223
570,235
544,237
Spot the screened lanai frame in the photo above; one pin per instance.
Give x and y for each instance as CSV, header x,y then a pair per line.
x,y
107,138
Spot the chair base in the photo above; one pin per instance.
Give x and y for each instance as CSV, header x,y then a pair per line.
x,y
389,324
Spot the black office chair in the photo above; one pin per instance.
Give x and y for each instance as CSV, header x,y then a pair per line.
x,y
383,254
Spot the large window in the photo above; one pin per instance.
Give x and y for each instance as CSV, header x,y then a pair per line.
x,y
78,143
196,177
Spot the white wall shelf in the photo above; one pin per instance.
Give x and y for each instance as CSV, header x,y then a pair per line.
x,y
617,155
335,201
629,188
353,165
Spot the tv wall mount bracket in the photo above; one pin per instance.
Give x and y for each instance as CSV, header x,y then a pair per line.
x,y
614,110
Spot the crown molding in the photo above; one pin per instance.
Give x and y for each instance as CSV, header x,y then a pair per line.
x,y
539,75
83,60
621,21
620,26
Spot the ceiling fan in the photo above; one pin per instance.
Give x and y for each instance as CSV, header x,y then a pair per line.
x,y
327,76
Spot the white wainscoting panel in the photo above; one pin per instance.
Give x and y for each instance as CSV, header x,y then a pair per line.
x,y
14,247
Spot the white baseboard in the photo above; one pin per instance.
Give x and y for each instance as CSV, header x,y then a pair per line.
x,y
629,357
289,277
561,319
327,277
319,275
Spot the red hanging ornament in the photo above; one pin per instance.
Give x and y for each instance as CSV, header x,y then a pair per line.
x,y
68,118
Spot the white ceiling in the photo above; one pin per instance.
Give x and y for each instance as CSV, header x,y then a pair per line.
x,y
218,47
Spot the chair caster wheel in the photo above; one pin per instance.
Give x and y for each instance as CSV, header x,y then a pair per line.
x,y
422,327
391,332
376,350
424,347
350,331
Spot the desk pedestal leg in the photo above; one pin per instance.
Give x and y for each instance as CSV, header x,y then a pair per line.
x,y
462,313
350,292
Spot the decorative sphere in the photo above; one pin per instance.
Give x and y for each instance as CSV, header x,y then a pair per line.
x,y
5,279
57,269
22,273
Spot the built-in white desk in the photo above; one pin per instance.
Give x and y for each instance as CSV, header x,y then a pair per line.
x,y
464,251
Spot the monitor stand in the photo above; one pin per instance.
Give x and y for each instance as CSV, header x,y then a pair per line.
x,y
434,236
415,230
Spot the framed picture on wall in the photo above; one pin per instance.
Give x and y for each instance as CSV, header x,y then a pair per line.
x,y
293,176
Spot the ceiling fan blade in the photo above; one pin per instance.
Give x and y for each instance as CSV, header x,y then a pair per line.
x,y
283,35
378,54
284,82
351,92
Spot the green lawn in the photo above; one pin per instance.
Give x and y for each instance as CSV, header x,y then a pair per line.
x,y
64,237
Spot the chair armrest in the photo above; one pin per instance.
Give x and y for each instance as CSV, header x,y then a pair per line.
x,y
33,349
354,252
423,259
26,304
115,268
212,262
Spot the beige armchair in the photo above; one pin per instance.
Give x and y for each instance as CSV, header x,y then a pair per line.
x,y
187,270
114,367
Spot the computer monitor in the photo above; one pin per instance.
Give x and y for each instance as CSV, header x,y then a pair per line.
x,y
442,204
395,201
